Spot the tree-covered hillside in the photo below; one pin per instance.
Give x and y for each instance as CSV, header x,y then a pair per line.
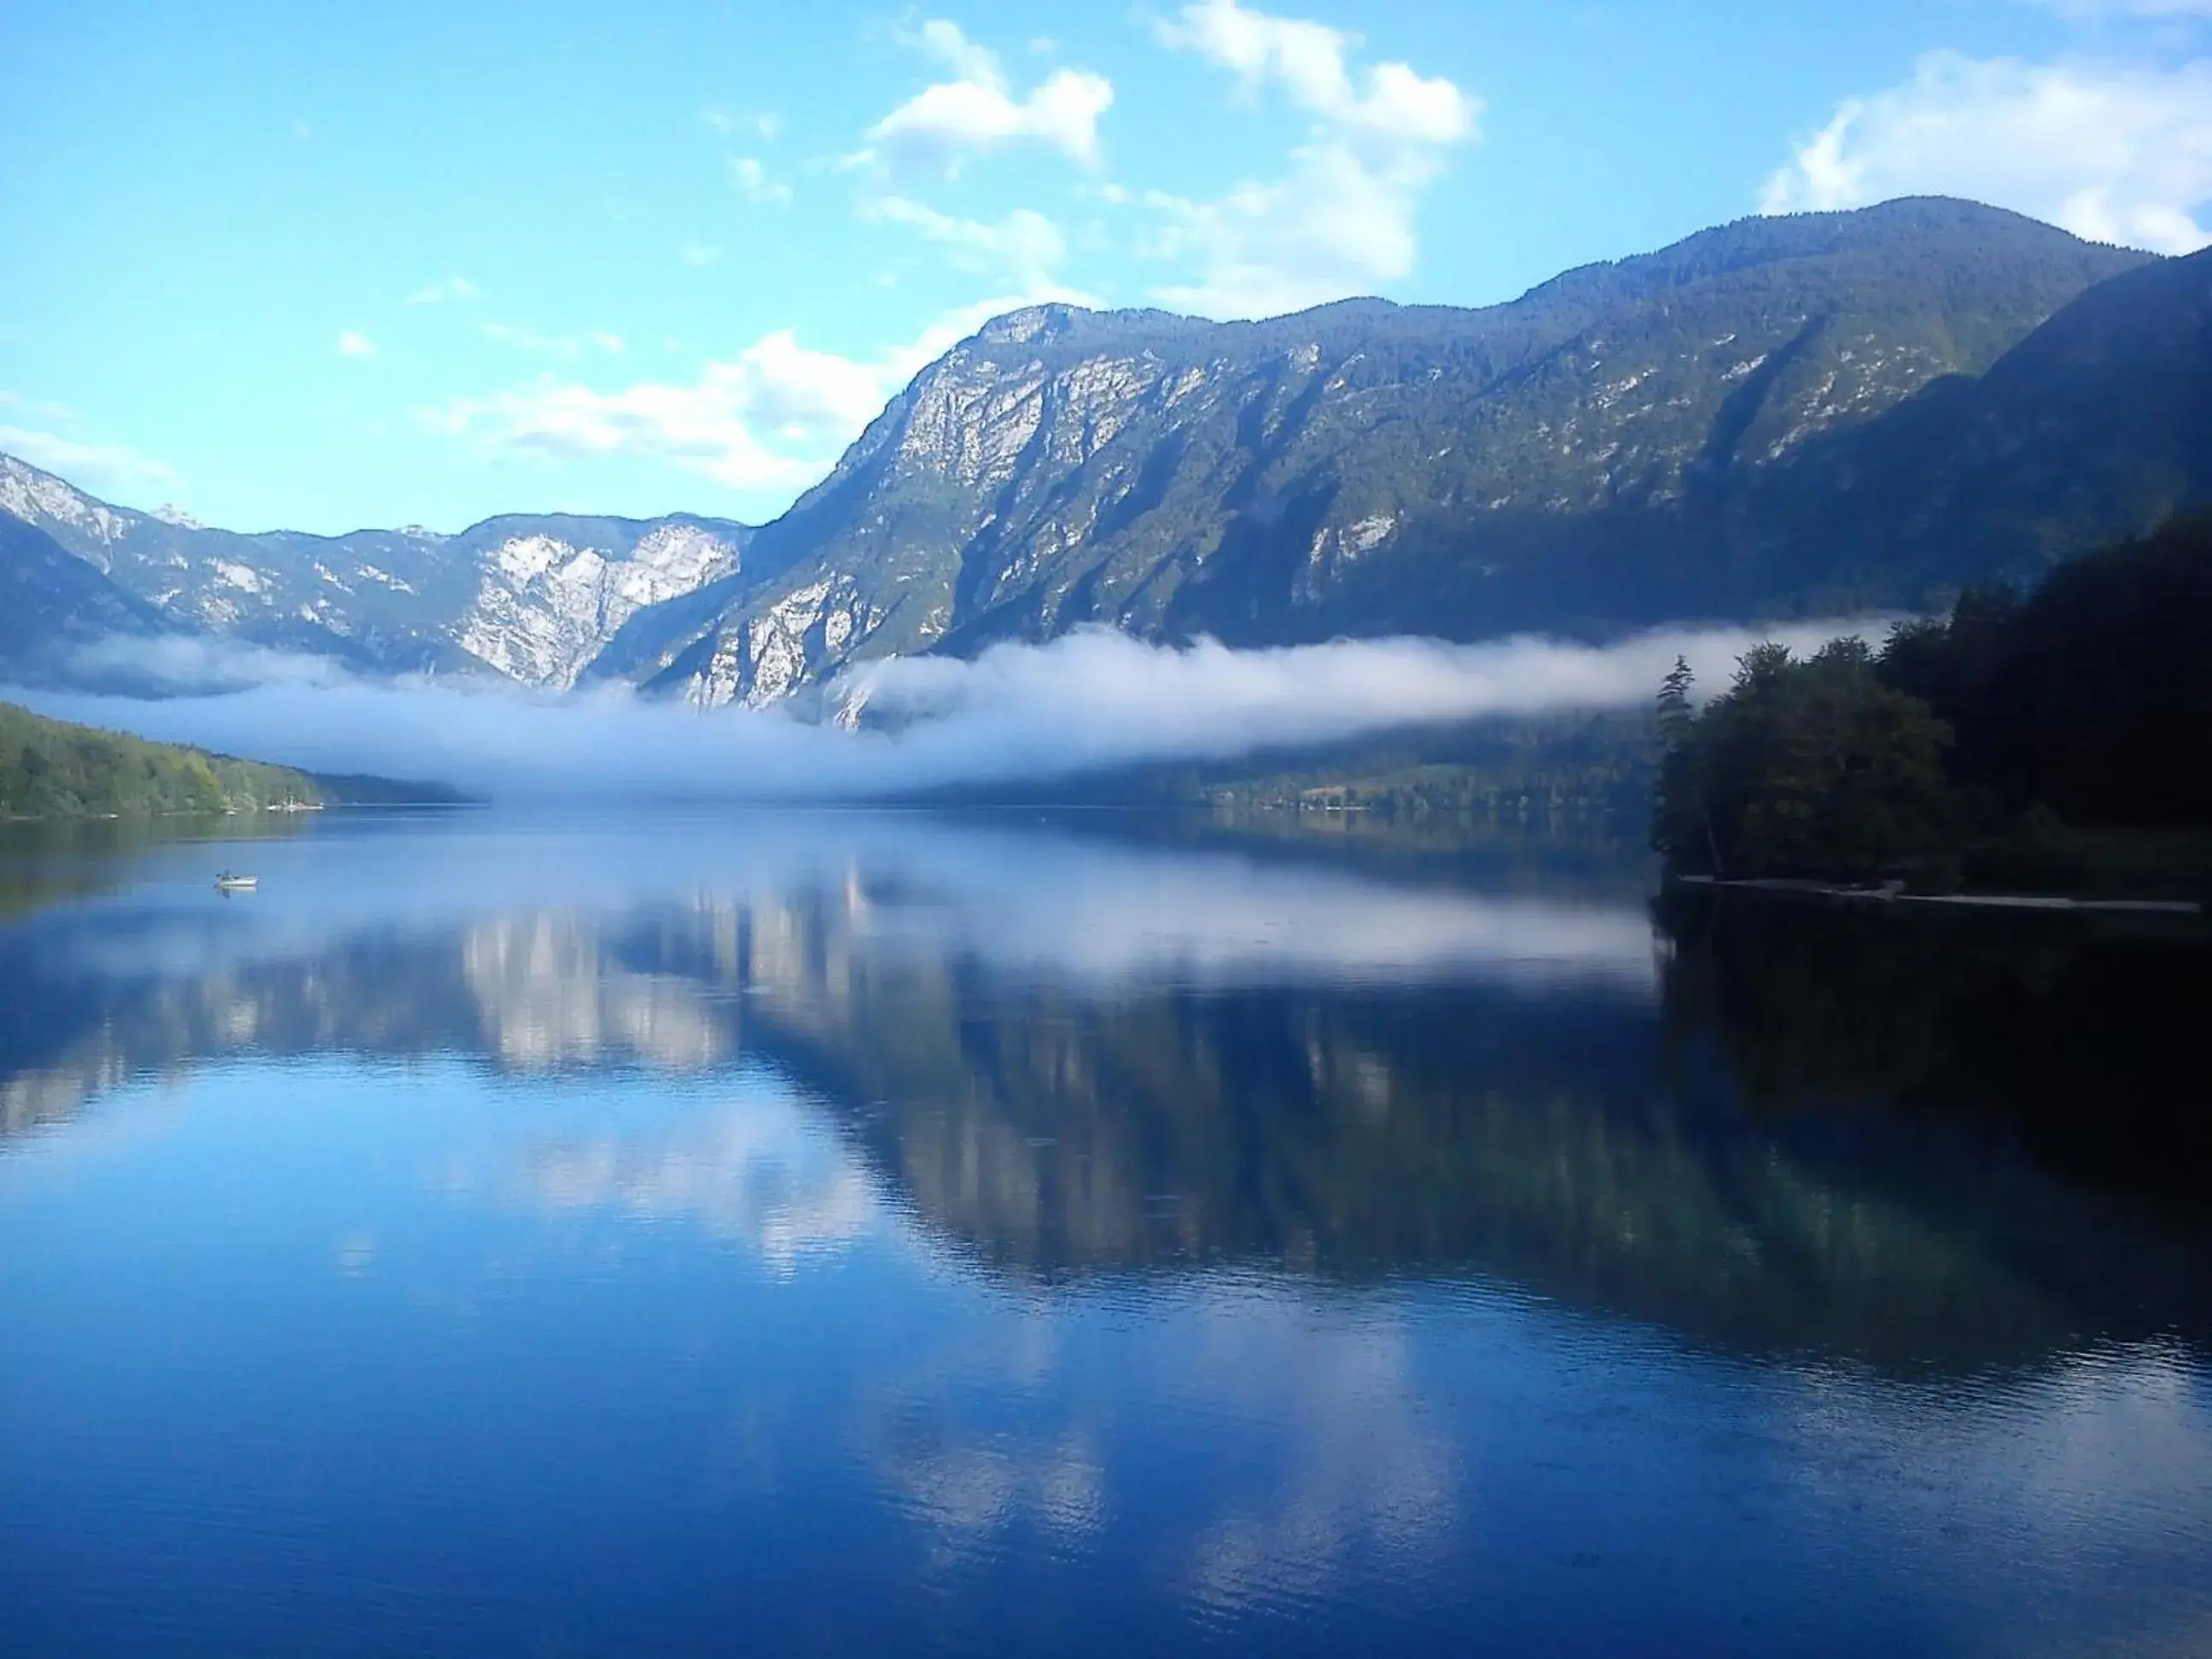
x,y
1979,746
2096,426
51,769
1628,444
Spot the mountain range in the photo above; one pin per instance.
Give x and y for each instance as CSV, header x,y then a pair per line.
x,y
1779,416
533,597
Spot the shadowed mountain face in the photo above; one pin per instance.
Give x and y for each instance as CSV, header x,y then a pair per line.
x,y
1627,444
1074,1057
51,603
2098,425
531,598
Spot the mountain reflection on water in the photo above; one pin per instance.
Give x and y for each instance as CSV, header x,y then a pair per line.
x,y
874,1232
1922,1144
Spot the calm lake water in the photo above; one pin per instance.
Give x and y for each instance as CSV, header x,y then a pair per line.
x,y
890,1233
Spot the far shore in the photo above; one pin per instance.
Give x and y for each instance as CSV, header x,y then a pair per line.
x,y
1894,893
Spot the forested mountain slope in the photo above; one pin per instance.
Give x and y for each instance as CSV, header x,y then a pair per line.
x,y
2098,426
1582,459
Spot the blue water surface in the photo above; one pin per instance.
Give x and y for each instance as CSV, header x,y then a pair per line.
x,y
889,1233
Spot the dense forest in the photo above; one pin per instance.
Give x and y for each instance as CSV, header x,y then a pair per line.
x,y
1994,747
51,769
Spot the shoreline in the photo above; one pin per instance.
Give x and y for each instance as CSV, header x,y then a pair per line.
x,y
1793,887
286,809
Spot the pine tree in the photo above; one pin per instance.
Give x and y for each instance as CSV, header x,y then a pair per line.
x,y
1676,714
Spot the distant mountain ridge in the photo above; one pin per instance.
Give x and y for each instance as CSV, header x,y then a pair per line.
x,y
532,597
1779,416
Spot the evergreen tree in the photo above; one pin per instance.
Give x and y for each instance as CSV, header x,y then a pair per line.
x,y
1814,768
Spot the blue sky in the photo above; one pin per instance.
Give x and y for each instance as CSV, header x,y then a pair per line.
x,y
322,267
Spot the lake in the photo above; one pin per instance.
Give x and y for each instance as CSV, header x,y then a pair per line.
x,y
1092,1234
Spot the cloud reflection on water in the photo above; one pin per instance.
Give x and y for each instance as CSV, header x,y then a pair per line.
x,y
1212,1232
763,1173
1034,900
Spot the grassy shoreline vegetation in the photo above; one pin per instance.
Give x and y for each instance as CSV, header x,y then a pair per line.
x,y
2055,743
53,769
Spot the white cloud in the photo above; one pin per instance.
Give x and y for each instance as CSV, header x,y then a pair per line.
x,y
1342,220
523,339
1308,57
1096,697
46,412
774,417
449,288
1397,108
698,255
109,466
1025,248
2115,152
977,112
766,123
1091,699
2097,8
203,665
567,347
352,344
752,181
945,42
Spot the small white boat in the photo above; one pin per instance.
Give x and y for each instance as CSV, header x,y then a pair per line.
x,y
226,883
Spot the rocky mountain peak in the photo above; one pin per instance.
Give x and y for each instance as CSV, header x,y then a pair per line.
x,y
40,498
1029,323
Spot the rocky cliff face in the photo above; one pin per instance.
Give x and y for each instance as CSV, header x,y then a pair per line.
x,y
545,607
1569,461
532,598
